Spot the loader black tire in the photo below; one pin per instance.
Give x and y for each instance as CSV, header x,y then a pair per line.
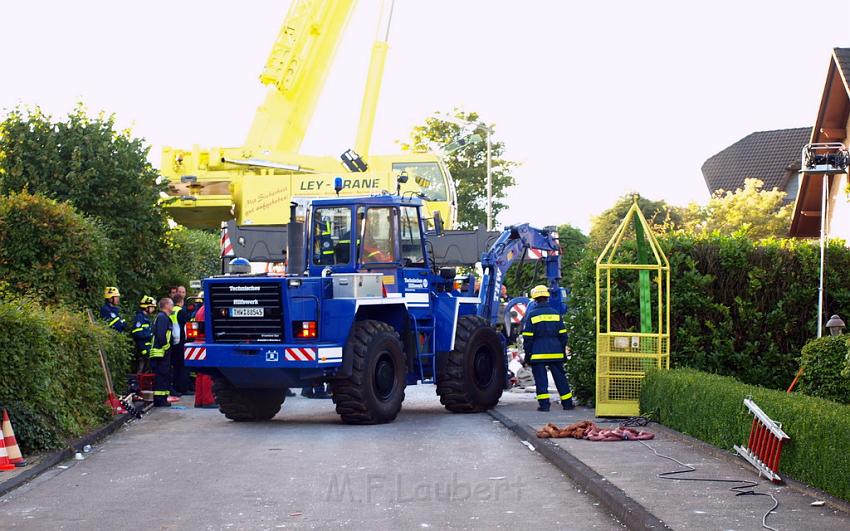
x,y
375,390
471,377
246,405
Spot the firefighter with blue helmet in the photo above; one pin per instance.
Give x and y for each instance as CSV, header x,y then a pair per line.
x,y
142,332
110,312
544,342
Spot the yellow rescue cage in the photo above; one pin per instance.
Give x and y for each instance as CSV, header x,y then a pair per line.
x,y
627,345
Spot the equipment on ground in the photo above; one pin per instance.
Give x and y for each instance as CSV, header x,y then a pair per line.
x,y
365,306
764,447
256,181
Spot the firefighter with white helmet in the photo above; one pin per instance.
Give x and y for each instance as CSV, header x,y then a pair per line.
x,y
544,342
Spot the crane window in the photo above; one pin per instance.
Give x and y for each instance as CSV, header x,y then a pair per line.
x,y
378,241
411,238
424,177
332,236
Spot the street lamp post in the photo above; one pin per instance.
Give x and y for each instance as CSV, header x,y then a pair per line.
x,y
488,131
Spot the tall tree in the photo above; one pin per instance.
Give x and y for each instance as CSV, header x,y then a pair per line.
x,y
657,213
102,172
750,211
467,164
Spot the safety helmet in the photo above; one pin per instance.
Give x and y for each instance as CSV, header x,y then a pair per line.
x,y
146,301
539,291
110,291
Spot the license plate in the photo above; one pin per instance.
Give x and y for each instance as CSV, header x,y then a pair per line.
x,y
246,312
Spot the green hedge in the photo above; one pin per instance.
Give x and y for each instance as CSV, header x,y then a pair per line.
x,y
822,362
49,251
52,382
710,408
739,308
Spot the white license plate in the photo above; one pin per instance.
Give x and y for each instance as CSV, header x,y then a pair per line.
x,y
246,312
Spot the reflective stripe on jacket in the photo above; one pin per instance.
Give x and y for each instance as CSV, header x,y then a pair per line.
x,y
142,332
161,335
544,335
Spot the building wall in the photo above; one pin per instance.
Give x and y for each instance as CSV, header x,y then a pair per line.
x,y
838,209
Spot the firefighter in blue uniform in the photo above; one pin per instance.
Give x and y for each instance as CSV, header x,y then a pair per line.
x,y
544,342
159,353
142,332
110,311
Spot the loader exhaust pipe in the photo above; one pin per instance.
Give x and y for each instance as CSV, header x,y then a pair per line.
x,y
295,260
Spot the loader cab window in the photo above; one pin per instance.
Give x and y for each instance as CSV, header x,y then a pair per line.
x,y
378,235
412,253
424,177
331,236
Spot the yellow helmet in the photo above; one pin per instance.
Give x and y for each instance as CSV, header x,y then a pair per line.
x,y
110,291
146,301
539,291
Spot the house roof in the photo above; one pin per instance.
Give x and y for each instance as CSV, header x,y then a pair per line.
x,y
771,156
830,126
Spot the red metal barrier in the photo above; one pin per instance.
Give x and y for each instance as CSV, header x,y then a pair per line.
x,y
764,445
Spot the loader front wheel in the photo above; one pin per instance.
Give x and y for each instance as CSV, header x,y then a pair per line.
x,y
471,377
375,390
245,405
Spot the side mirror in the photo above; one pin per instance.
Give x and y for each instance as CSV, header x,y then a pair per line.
x,y
438,223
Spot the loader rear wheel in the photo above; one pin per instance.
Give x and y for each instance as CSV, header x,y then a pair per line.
x,y
245,405
471,377
375,390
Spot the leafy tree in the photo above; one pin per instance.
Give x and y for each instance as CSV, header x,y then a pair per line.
x,y
657,213
197,255
749,211
468,165
102,172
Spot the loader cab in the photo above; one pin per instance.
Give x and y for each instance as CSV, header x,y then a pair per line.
x,y
381,234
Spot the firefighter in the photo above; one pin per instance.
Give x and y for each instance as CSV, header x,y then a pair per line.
x,y
180,376
110,311
545,341
159,353
142,333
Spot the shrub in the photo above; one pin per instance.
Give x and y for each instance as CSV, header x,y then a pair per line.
x,y
52,379
739,308
192,254
51,252
822,362
710,408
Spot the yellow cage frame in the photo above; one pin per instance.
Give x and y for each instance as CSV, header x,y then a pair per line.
x,y
623,357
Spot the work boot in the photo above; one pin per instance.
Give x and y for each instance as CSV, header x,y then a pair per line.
x,y
307,392
163,403
568,404
541,407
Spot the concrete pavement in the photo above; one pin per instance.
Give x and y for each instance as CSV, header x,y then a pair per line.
x,y
193,469
632,468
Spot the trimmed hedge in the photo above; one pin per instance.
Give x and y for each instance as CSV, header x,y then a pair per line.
x,y
710,408
822,362
52,381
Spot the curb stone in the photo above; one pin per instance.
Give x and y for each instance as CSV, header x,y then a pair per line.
x,y
632,514
58,456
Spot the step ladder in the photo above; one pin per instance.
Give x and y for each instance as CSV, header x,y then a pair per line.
x,y
765,443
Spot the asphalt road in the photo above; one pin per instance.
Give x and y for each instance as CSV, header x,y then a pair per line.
x,y
193,469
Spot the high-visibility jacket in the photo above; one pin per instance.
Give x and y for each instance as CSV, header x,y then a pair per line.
x,y
544,335
112,315
142,333
177,325
161,335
